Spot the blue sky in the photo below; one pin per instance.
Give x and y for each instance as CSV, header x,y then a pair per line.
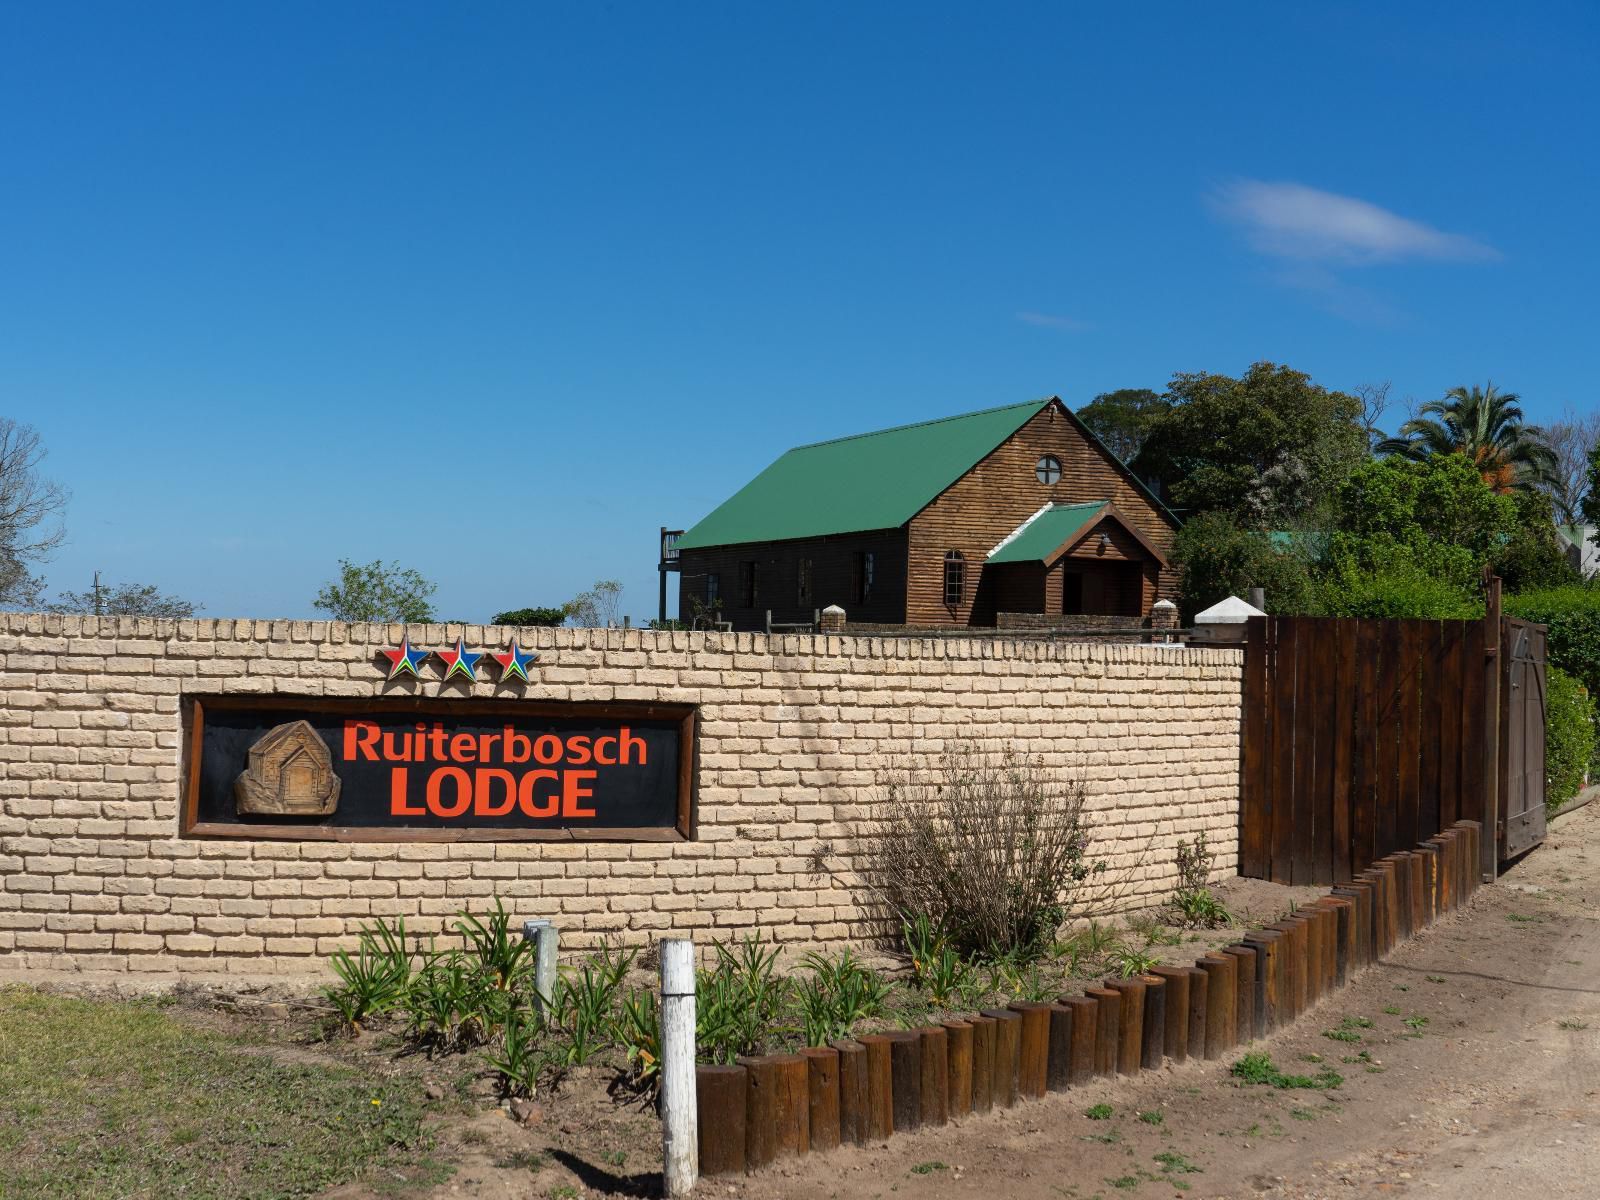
x,y
496,290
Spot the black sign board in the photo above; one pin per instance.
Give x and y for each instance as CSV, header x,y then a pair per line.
x,y
405,768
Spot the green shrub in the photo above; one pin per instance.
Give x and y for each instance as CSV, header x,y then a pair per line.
x,y
531,616
1573,615
1569,733
1399,590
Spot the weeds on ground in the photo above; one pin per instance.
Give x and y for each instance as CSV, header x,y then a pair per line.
x,y
1176,1164
1258,1068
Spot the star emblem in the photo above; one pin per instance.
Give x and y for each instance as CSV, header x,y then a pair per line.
x,y
514,663
403,660
459,662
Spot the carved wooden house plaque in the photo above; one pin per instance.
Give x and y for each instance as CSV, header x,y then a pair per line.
x,y
290,774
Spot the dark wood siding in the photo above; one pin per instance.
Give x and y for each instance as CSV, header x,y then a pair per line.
x,y
835,569
1001,492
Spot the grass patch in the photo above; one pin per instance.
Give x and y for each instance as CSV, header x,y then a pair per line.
x,y
1342,1035
107,1098
1099,1112
1573,1026
1520,919
928,1168
1126,1182
1152,1117
1258,1068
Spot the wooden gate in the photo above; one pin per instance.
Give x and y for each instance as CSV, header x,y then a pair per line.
x,y
1522,762
1364,737
1361,738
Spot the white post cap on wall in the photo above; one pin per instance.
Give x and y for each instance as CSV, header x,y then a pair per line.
x,y
1224,620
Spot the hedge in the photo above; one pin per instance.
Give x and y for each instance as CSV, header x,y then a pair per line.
x,y
1569,736
1573,615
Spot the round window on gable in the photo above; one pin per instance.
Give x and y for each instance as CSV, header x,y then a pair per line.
x,y
1048,469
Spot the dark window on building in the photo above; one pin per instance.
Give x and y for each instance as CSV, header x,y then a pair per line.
x,y
713,589
866,566
955,579
747,584
803,582
1048,469
1072,593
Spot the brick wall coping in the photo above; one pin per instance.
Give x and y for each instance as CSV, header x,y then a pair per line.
x,y
999,646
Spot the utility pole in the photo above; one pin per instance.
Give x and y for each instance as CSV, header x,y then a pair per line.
x,y
98,607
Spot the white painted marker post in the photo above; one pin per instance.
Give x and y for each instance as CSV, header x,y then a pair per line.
x,y
680,1133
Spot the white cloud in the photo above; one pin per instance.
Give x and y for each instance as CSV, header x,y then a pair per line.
x,y
1290,220
1047,321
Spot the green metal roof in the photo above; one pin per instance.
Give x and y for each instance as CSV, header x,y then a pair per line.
x,y
870,481
1042,534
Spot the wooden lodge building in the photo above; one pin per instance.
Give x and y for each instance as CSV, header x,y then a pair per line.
x,y
1010,516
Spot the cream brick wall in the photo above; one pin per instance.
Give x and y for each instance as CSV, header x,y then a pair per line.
x,y
794,732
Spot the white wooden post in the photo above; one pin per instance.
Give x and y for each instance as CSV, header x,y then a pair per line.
x,y
680,1133
546,939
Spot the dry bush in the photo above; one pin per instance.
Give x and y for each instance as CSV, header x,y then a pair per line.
x,y
990,848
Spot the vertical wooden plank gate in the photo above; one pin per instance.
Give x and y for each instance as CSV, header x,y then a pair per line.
x,y
1363,737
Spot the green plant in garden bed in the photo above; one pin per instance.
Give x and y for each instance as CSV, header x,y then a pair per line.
x,y
376,978
838,993
1193,902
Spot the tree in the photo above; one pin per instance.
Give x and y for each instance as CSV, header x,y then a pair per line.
x,y
1374,399
1532,556
1571,439
1267,448
1220,559
598,607
1122,419
30,514
532,616
376,591
1487,426
1590,504
124,600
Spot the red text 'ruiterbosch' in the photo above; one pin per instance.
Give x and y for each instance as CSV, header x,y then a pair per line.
x,y
488,774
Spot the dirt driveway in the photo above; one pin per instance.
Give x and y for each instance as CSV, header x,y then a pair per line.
x,y
1483,1080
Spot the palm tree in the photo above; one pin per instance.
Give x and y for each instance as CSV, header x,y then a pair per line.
x,y
1486,426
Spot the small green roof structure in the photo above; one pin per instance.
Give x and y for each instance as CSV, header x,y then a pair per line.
x,y
850,485
1041,536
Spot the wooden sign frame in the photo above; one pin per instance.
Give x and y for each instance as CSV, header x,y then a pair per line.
x,y
195,708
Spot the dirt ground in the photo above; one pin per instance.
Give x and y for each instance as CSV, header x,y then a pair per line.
x,y
1496,1097
1478,1075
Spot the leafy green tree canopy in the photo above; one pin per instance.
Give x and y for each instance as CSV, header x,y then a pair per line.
x,y
531,616
376,591
1123,419
1265,448
1221,559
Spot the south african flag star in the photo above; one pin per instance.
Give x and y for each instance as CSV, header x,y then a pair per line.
x,y
514,663
403,660
459,662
